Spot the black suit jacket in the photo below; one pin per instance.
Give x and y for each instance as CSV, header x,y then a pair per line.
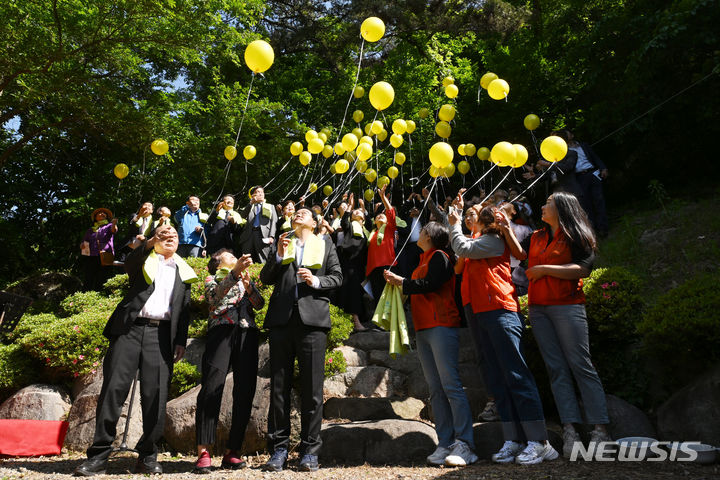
x,y
128,309
313,304
565,173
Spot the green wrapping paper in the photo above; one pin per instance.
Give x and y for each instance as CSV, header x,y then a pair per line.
x,y
390,316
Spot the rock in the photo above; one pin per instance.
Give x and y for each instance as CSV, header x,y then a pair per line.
x,y
406,363
264,360
627,420
370,340
369,381
489,439
37,402
373,408
692,414
477,397
417,386
656,237
194,352
47,287
82,415
180,419
380,442
354,357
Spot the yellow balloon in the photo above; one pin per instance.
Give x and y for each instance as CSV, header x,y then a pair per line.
x,y
231,152
327,151
381,95
410,125
358,116
396,140
531,121
483,153
361,166
259,56
461,149
521,155
249,152
364,151
382,135
486,79
451,91
350,156
399,158
325,131
423,113
377,127
449,171
368,129
448,81
366,139
469,149
553,149
332,168
327,190
498,89
350,141
305,158
443,129
358,92
339,148
372,30
159,147
503,154
315,146
121,170
382,181
370,175
313,187
295,148
446,113
322,137
463,167
369,195
399,126
434,171
310,135
393,172
342,166
441,154
357,131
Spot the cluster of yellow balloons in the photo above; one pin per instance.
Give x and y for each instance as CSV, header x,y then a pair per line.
x,y
230,152
259,56
121,170
451,90
506,154
159,146
315,144
497,88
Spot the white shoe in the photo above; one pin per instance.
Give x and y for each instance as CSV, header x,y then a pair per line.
x,y
508,452
597,436
536,452
460,455
570,437
438,456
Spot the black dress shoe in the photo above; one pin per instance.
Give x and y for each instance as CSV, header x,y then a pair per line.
x,y
90,467
277,461
309,463
148,466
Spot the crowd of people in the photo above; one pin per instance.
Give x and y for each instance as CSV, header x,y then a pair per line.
x,y
462,263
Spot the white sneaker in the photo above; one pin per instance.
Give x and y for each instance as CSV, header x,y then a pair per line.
x,y
536,452
438,456
570,436
597,436
508,452
460,455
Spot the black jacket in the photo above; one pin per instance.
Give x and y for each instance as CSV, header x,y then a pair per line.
x,y
129,308
313,304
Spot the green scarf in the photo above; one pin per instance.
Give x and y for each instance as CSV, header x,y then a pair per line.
x,y
335,224
222,273
156,223
287,224
358,229
99,224
313,253
152,263
147,229
380,234
267,210
400,222
231,213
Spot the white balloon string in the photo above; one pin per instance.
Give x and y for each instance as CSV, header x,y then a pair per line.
x,y
533,183
247,101
227,165
421,210
497,186
352,94
267,184
479,179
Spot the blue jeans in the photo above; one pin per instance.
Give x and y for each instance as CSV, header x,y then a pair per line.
x,y
561,332
438,349
497,334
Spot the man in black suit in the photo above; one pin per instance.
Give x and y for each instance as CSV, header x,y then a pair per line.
x,y
303,268
147,330
259,233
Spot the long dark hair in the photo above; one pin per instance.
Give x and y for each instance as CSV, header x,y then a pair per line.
x,y
440,238
486,217
574,221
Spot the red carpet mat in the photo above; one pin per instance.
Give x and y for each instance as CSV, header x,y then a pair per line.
x,y
29,438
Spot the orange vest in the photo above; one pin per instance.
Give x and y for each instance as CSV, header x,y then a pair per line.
x,y
434,309
552,290
486,284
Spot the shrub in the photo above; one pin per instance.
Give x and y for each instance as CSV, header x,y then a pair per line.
x,y
82,302
341,327
185,376
334,363
17,369
118,286
682,330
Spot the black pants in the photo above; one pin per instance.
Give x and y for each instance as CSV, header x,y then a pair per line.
x,y
307,344
147,348
258,249
95,273
227,346
593,201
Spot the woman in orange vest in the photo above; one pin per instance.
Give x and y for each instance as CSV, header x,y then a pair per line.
x,y
559,256
436,320
491,310
381,247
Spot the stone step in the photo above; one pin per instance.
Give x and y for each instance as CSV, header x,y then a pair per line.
x,y
370,381
369,340
407,363
373,408
354,357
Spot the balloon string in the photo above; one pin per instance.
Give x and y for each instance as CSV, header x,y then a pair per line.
x,y
226,167
421,210
479,179
281,170
497,186
533,183
247,101
357,77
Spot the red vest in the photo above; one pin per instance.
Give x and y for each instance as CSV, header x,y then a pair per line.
x,y
486,284
382,255
552,290
434,309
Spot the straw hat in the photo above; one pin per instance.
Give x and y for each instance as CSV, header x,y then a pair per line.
x,y
108,213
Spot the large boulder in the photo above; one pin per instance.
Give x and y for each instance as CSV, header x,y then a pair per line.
x,y
354,357
194,352
626,420
264,360
47,287
383,442
180,419
692,413
37,402
372,381
373,408
369,340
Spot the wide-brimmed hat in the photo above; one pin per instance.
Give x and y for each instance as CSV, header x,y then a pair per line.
x,y
107,213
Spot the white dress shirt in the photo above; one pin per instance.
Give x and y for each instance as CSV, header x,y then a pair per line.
x,y
583,163
299,251
158,306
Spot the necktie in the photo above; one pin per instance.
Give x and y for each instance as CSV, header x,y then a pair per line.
x,y
256,220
